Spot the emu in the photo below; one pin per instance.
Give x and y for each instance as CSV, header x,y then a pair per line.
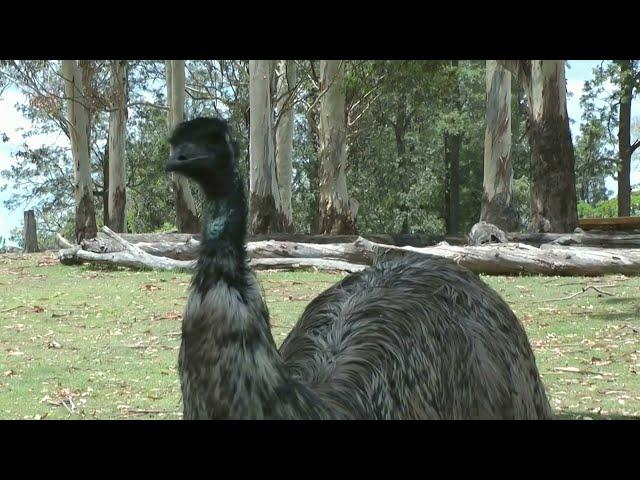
x,y
414,338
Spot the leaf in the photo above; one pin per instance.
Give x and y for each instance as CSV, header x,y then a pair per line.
x,y
527,319
8,373
54,344
150,288
37,309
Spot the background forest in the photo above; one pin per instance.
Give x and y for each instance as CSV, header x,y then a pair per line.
x,y
414,146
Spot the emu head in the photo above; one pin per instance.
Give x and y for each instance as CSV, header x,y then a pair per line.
x,y
203,150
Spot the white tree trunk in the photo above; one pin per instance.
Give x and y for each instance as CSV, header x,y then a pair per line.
x,y
498,170
117,141
265,210
337,213
78,121
286,81
186,215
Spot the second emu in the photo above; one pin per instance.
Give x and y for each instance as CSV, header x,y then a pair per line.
x,y
416,338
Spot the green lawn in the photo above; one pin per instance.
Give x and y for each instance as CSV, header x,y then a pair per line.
x,y
87,342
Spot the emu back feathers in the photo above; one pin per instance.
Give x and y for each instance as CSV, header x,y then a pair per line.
x,y
416,338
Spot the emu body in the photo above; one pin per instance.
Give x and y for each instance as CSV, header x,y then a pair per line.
x,y
416,338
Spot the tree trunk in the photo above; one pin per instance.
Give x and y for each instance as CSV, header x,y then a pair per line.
x,y
553,204
186,215
498,171
284,136
117,139
314,174
624,138
105,183
337,211
265,212
78,120
30,232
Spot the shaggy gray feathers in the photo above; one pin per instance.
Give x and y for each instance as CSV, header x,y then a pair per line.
x,y
416,338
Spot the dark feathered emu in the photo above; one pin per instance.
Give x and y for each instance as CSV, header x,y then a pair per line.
x,y
417,338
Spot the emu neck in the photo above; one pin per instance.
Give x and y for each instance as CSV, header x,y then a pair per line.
x,y
229,364
224,224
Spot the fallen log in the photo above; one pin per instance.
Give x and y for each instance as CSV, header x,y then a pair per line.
x,y
129,256
518,258
188,250
164,244
296,263
493,259
416,239
63,242
132,256
76,255
347,252
157,237
616,223
604,240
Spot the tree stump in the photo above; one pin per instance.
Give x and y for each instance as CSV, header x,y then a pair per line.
x,y
29,232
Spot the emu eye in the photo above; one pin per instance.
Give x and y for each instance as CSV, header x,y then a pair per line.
x,y
182,158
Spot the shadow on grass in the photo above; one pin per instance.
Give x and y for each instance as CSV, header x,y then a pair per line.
x,y
571,415
618,300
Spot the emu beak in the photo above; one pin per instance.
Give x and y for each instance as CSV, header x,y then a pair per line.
x,y
173,164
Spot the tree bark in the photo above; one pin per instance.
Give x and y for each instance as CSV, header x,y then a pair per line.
x,y
105,183
284,136
117,140
314,173
186,215
498,170
265,211
78,121
553,204
30,232
624,138
337,212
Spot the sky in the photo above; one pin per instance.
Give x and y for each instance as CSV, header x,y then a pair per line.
x,y
12,122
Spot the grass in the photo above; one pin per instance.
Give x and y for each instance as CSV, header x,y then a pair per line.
x,y
88,342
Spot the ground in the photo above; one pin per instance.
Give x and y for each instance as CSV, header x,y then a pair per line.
x,y
88,342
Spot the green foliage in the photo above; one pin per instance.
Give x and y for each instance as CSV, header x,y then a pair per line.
x,y
596,147
520,195
149,196
400,114
607,208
